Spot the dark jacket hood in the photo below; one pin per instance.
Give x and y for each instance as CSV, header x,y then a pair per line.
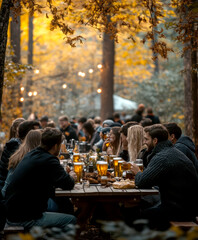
x,y
185,140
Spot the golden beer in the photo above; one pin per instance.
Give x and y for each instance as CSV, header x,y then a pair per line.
x,y
139,163
107,144
115,164
78,169
76,157
111,157
120,168
102,167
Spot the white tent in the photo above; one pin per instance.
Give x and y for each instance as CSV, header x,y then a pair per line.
x,y
120,104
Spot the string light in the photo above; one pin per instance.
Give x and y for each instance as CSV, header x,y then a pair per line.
x,y
90,70
22,89
34,93
37,71
99,90
64,86
99,66
30,94
21,99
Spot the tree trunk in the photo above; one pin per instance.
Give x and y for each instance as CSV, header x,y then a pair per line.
x,y
15,39
29,102
188,94
4,21
194,89
107,77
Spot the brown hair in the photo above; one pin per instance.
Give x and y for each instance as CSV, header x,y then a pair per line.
x,y
135,141
14,127
51,137
63,118
116,143
31,141
157,131
125,127
89,129
51,124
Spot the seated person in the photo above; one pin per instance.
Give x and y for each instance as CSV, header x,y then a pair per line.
x,y
33,183
123,138
103,136
175,175
67,129
182,143
19,130
91,135
111,144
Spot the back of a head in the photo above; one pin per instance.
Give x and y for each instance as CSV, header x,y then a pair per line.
x,y
157,131
32,140
88,126
82,120
64,118
97,120
149,110
44,119
90,120
146,122
51,137
14,127
126,126
51,124
24,128
135,140
107,122
116,115
173,128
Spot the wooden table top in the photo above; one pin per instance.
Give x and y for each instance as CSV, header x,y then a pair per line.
x,y
100,191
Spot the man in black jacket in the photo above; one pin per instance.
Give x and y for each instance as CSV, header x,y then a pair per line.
x,y
175,175
182,143
67,129
12,146
33,183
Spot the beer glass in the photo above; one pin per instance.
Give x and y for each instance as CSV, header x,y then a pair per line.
x,y
120,168
63,147
76,157
111,157
102,167
139,163
115,164
78,169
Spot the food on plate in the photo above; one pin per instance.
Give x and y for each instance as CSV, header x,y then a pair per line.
x,y
124,184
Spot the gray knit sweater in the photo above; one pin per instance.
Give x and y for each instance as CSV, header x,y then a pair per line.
x,y
176,177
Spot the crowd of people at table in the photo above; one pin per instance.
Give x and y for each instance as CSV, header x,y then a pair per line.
x,y
30,169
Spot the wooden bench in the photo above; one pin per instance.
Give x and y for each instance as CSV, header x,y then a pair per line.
x,y
184,225
12,229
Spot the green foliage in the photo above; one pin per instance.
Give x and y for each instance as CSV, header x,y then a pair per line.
x,y
164,93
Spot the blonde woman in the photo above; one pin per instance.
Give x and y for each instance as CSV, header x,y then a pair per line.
x,y
31,141
135,138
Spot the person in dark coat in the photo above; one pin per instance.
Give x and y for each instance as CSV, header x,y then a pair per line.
x,y
66,129
34,181
11,146
182,143
138,116
155,119
175,175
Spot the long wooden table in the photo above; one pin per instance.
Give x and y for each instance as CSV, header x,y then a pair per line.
x,y
88,198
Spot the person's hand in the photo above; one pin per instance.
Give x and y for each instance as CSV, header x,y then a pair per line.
x,y
73,175
134,168
68,170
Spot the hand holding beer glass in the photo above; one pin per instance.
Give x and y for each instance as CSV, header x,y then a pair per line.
x,y
139,163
